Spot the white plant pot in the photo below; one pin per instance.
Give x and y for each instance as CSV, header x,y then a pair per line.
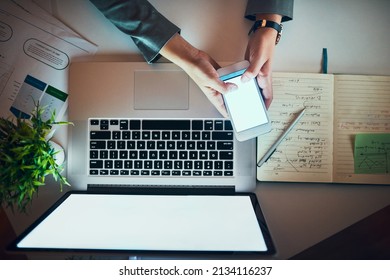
x,y
60,155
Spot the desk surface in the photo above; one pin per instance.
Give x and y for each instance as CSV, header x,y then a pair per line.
x,y
356,36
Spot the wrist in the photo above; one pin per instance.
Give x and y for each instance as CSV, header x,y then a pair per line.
x,y
268,26
179,51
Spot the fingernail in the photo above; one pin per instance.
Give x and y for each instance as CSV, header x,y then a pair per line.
x,y
232,87
245,79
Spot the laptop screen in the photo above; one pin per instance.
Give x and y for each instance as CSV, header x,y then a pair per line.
x,y
122,222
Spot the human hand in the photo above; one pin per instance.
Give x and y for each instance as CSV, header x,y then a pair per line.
x,y
201,68
259,53
203,72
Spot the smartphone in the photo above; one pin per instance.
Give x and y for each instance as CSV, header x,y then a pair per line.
x,y
245,106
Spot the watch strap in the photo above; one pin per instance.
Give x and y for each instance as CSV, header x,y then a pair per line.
x,y
262,23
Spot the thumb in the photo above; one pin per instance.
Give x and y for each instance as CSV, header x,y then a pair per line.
x,y
223,87
250,73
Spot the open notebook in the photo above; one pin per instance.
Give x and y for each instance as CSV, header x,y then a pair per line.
x,y
343,137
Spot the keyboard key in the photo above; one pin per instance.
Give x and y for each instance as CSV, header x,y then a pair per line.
x,y
124,125
145,135
126,135
94,122
228,164
224,145
197,125
163,155
186,135
111,145
128,164
103,154
196,135
121,145
160,145
218,125
130,145
108,164
104,125
95,164
103,172
135,124
97,145
114,154
156,135
93,172
228,125
226,155
114,172
219,135
143,154
208,125
100,135
118,164
166,124
166,135
94,154
124,172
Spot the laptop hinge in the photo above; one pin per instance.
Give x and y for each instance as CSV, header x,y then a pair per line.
x,y
160,189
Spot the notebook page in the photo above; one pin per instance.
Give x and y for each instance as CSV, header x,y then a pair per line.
x,y
362,105
306,153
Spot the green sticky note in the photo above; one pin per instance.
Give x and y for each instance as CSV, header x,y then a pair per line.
x,y
372,153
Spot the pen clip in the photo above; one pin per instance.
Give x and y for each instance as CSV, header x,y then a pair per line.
x,y
266,158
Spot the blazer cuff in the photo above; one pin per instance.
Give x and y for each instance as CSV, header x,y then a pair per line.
x,y
281,7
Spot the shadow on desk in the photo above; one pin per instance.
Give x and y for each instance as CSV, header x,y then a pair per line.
x,y
7,235
368,239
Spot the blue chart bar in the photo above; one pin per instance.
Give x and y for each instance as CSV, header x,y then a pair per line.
x,y
29,94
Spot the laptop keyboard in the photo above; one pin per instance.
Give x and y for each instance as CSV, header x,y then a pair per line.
x,y
161,147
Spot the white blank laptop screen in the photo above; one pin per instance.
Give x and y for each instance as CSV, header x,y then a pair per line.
x,y
149,222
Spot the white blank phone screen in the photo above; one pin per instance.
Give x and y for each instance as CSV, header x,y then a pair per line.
x,y
245,106
149,222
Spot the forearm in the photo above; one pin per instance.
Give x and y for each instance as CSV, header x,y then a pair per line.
x,y
180,52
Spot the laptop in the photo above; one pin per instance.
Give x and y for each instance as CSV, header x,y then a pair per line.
x,y
154,170
135,92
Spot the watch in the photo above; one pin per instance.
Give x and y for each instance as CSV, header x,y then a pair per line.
x,y
261,23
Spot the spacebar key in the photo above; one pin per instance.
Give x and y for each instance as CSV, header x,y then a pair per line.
x,y
166,124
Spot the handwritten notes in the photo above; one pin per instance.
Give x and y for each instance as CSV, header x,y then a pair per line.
x,y
306,153
362,105
322,145
372,153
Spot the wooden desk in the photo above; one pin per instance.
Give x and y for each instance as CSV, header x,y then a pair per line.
x,y
357,38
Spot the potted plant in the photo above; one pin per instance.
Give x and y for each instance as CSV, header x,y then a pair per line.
x,y
26,158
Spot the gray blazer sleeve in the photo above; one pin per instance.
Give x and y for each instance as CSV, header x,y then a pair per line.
x,y
281,7
149,29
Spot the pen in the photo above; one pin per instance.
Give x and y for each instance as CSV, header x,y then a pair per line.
x,y
269,153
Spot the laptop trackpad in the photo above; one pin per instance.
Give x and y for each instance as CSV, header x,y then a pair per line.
x,y
161,90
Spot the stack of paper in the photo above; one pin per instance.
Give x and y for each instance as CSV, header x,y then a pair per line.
x,y
35,52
